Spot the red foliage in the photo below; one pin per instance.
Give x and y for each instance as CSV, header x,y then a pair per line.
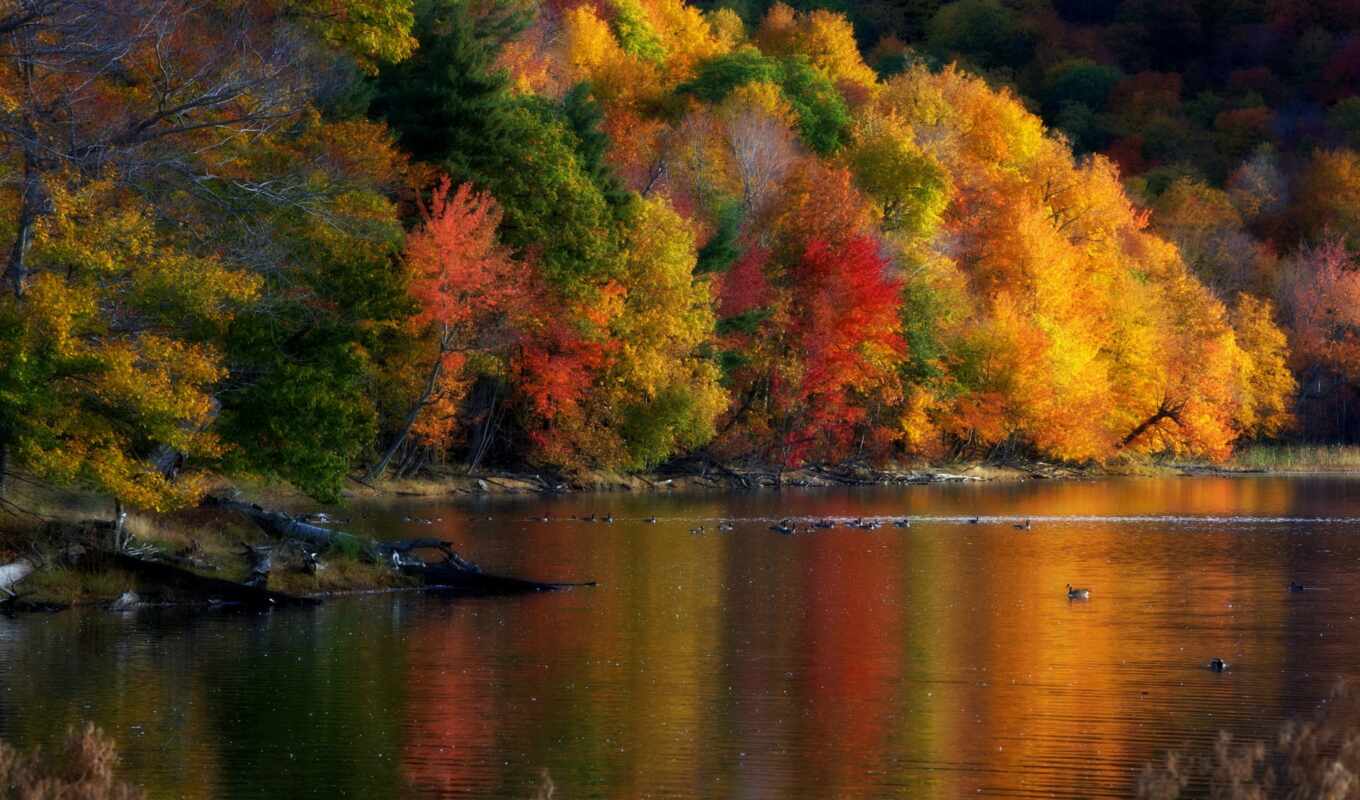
x,y
744,287
1327,311
1127,153
846,326
460,273
553,372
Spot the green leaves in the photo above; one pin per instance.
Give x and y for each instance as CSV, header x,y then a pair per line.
x,y
823,117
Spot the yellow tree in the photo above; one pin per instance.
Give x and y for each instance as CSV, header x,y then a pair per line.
x,y
661,393
110,361
825,38
910,187
1264,381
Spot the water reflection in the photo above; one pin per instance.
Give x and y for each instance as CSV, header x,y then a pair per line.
x,y
930,662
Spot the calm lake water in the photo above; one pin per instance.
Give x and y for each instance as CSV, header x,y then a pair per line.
x,y
936,661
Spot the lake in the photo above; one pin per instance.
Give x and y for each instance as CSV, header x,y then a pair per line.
x,y
935,661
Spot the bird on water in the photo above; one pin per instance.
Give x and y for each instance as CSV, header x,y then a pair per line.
x,y
1078,594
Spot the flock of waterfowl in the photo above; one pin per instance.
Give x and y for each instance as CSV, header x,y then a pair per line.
x,y
789,526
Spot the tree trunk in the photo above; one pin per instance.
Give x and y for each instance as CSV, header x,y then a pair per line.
x,y
452,574
33,203
430,385
1163,412
4,470
487,430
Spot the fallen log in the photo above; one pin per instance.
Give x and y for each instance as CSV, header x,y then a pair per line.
x,y
447,579
453,573
209,588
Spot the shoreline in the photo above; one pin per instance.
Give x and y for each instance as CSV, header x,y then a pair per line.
x,y
211,542
717,478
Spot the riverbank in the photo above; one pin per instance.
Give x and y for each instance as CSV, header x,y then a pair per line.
x,y
66,536
711,477
59,533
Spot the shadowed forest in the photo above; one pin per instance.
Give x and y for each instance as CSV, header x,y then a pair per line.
x,y
306,239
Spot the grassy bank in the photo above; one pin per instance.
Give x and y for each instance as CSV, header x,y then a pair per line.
x,y
65,536
1298,458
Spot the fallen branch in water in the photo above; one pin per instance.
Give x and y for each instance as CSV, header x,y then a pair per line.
x,y
453,572
244,594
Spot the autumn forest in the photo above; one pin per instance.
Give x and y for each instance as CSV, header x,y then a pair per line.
x,y
305,240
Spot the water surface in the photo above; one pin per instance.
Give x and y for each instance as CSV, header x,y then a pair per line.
x,y
934,661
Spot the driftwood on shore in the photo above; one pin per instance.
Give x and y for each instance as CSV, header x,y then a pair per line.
x,y
208,588
452,573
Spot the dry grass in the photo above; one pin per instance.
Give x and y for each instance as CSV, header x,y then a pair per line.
x,y
58,584
1314,758
84,770
1299,458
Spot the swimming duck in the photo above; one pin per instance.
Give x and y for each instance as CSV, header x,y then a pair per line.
x,y
783,526
1078,594
902,523
824,523
726,527
609,520
1218,665
974,520
650,520
1295,586
1022,526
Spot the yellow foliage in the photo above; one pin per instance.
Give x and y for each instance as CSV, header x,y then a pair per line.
x,y
108,331
1091,336
1264,381
728,27
688,37
665,317
825,38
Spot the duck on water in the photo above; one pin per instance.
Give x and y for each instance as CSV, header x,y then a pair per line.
x,y
1078,594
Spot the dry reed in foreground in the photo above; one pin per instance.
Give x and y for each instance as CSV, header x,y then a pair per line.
x,y
1318,757
84,770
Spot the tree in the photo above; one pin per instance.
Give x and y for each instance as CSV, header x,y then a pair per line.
x,y
1213,239
1329,195
111,356
822,117
179,111
1326,306
910,187
1266,383
661,391
448,99
845,330
983,31
465,282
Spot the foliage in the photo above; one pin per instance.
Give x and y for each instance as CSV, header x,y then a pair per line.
x,y
821,111
661,230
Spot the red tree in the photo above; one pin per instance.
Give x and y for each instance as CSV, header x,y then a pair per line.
x,y
466,285
845,323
